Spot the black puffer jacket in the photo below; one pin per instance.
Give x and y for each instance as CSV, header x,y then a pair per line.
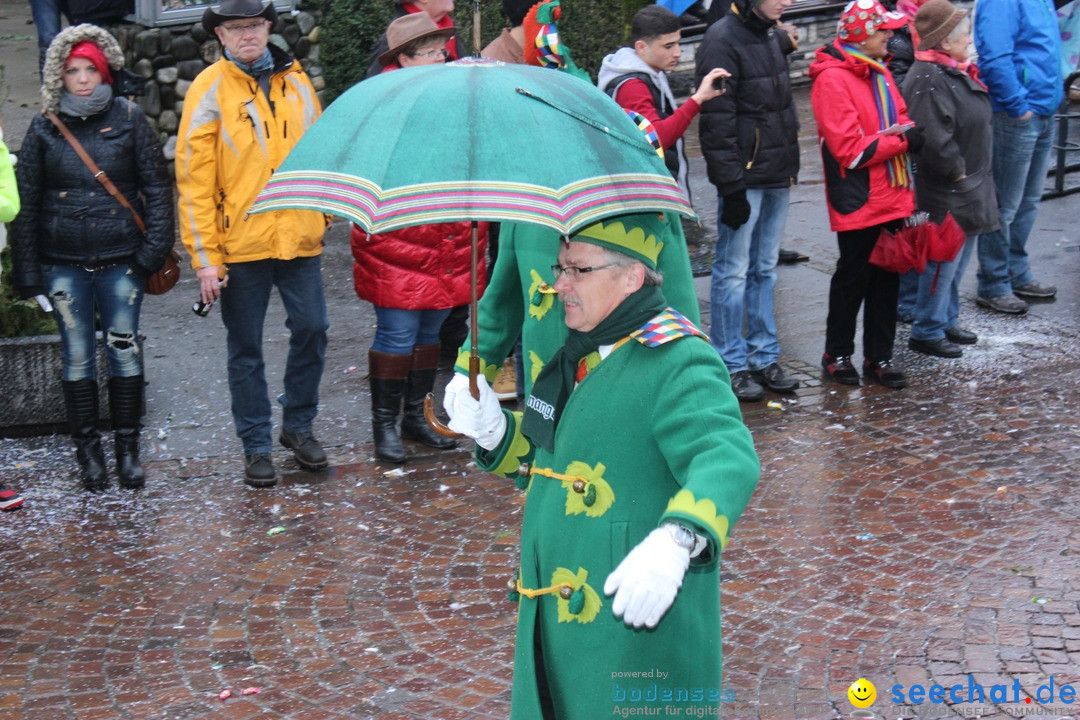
x,y
67,217
901,54
749,135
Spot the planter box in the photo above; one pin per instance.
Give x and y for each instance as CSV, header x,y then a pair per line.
x,y
32,402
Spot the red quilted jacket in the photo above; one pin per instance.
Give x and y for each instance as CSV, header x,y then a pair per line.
x,y
416,268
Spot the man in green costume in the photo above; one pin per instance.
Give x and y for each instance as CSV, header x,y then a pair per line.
x,y
520,300
636,464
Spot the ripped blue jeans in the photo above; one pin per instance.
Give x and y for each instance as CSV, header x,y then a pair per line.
x,y
75,292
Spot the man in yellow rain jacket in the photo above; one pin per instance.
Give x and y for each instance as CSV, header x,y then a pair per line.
x,y
242,116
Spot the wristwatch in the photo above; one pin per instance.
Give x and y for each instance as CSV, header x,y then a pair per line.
x,y
683,536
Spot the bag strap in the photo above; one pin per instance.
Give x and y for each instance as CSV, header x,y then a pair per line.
x,y
98,173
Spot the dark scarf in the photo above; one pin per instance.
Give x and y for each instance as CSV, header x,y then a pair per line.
x,y
83,107
553,386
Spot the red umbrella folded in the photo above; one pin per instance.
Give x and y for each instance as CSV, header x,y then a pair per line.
x,y
900,251
910,247
945,240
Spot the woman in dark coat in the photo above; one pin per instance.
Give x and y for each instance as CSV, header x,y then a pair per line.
x,y
952,174
78,246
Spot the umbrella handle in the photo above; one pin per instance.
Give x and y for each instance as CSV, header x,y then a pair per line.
x,y
433,422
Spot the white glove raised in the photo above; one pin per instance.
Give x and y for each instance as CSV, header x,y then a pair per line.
x,y
482,419
458,384
647,580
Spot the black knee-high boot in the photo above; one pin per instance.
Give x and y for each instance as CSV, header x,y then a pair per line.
x,y
81,402
125,406
425,359
387,375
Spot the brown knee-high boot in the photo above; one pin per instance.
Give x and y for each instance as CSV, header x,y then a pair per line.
x,y
387,374
425,359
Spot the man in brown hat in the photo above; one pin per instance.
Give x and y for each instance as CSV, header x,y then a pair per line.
x,y
242,116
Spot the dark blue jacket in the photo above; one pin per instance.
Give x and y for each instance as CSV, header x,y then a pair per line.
x,y
1019,47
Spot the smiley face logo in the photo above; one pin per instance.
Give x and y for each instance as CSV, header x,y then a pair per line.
x,y
862,693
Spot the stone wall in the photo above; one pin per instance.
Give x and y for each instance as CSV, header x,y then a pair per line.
x,y
35,404
169,58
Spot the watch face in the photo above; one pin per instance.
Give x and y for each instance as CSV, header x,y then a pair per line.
x,y
682,536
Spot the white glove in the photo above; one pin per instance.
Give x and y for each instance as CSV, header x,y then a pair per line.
x,y
647,580
482,419
458,384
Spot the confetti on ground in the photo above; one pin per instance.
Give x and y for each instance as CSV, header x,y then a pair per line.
x,y
251,691
275,530
225,694
865,536
396,472
775,405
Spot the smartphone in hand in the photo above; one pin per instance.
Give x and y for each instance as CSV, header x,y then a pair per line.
x,y
896,128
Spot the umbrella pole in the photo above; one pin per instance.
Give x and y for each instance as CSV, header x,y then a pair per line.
x,y
476,45
474,301
474,347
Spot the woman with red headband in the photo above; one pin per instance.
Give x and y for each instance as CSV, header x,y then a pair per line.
x,y
865,135
78,246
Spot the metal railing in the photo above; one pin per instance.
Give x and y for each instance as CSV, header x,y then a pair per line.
x,y
1064,146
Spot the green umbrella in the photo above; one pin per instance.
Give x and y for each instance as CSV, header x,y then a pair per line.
x,y
473,140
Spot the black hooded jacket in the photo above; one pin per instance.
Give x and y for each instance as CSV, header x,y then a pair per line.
x,y
67,217
749,135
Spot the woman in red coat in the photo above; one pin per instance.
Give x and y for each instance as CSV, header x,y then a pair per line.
x,y
413,276
865,135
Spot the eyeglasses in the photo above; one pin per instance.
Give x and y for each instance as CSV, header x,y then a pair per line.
x,y
433,54
573,274
252,27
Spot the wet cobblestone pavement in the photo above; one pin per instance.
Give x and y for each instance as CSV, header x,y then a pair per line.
x,y
907,537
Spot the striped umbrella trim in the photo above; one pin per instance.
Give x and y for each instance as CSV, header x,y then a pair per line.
x,y
571,207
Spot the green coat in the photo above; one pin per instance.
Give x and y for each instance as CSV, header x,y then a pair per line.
x,y
657,434
513,303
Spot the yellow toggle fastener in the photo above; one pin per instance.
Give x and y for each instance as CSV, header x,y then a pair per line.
x,y
546,289
579,483
565,590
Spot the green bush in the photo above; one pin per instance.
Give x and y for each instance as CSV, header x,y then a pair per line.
x,y
590,28
595,28
350,30
19,317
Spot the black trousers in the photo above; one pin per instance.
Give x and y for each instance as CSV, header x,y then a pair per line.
x,y
857,283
